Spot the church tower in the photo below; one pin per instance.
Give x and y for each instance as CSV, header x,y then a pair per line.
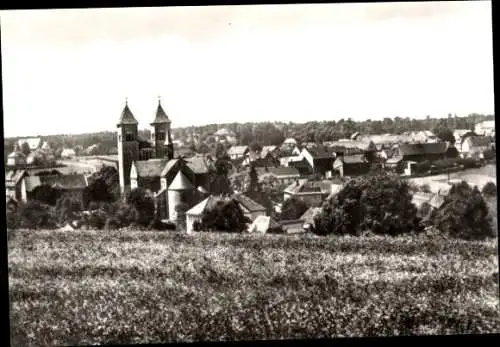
x,y
128,146
160,134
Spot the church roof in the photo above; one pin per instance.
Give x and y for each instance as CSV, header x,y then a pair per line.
x,y
150,168
161,116
180,182
127,117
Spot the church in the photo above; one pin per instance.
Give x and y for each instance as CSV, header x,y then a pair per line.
x,y
174,182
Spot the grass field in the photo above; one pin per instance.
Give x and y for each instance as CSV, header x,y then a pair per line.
x,y
146,287
477,176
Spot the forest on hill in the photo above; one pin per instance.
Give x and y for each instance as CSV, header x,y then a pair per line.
x,y
270,133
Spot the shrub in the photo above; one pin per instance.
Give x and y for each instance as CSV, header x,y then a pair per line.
x,y
464,214
35,215
489,189
46,194
293,208
226,215
144,205
66,208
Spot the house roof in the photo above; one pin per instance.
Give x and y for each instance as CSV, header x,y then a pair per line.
x,y
479,141
308,216
320,152
16,154
127,117
160,116
394,160
168,166
69,182
197,164
237,150
150,168
223,132
248,203
33,142
353,159
280,171
436,201
180,182
422,148
306,186
204,205
290,140
267,149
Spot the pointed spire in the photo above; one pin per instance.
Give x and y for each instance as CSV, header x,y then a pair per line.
x,y
127,117
160,117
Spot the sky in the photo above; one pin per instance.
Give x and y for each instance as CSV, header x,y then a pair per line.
x,y
70,71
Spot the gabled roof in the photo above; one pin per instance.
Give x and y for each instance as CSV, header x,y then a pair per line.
x,y
160,117
248,203
197,164
237,150
127,118
204,205
168,166
394,160
181,182
69,182
308,216
306,186
150,168
353,159
290,140
321,152
422,148
280,171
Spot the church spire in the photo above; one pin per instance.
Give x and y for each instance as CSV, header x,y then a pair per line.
x,y
160,116
127,116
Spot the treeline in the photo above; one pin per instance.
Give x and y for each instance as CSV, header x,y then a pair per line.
x,y
269,133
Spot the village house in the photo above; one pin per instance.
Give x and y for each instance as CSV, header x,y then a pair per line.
x,y
16,158
225,135
68,153
237,152
250,208
311,192
286,161
319,158
294,226
69,184
421,151
460,134
261,159
13,183
475,145
289,142
486,128
351,165
283,175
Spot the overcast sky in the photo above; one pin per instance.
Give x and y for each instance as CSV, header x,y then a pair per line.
x,y
69,71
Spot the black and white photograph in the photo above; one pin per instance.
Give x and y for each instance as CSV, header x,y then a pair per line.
x,y
249,172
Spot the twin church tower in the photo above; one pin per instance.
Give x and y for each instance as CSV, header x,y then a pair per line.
x,y
132,147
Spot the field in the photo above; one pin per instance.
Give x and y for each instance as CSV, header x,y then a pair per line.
x,y
479,177
146,287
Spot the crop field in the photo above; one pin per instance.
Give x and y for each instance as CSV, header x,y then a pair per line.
x,y
96,287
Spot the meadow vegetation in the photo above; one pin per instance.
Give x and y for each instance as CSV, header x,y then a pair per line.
x,y
94,287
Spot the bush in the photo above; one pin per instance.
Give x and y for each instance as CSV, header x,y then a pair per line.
x,y
423,167
381,204
489,189
293,208
144,205
464,214
33,215
226,215
66,208
489,154
46,194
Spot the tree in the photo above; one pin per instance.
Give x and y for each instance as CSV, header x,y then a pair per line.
x,y
34,215
464,213
293,208
47,194
256,147
218,172
381,204
226,215
143,204
444,134
489,190
25,148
